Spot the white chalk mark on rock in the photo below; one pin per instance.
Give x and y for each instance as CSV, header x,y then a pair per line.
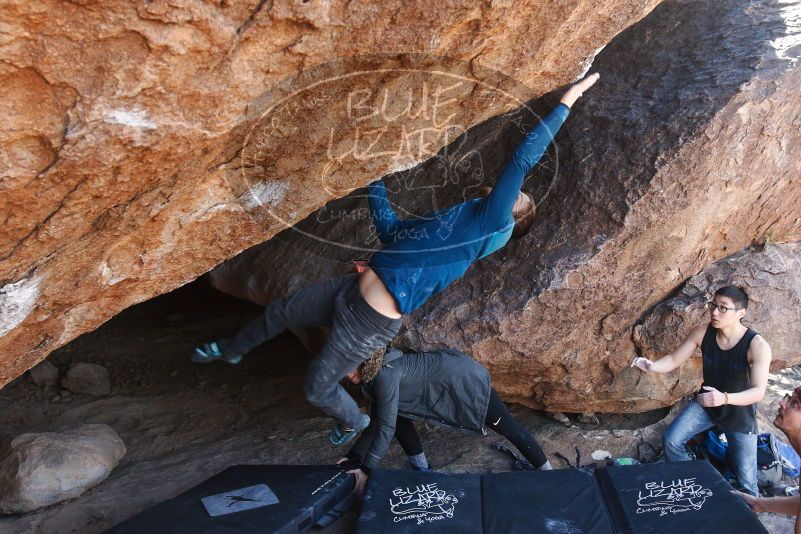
x,y
404,164
108,275
270,193
588,64
133,118
16,303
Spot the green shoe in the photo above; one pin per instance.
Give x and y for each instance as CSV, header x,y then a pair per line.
x,y
340,435
208,352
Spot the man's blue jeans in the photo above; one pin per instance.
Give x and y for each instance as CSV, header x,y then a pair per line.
x,y
741,452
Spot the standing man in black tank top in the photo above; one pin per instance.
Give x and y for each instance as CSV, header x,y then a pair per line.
x,y
736,362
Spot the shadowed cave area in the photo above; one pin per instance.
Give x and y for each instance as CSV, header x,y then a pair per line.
x,y
640,216
183,422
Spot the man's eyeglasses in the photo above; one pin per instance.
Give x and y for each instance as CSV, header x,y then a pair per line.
x,y
792,402
715,306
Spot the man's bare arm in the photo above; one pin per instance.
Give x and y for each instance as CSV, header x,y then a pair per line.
x,y
778,505
681,354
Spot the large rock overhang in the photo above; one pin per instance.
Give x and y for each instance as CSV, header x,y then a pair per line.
x,y
125,122
678,158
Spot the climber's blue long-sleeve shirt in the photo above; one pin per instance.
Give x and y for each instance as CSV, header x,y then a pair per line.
x,y
422,256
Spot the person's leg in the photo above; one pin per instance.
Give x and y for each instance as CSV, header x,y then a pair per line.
x,y
501,421
741,459
409,441
692,420
407,436
357,331
313,306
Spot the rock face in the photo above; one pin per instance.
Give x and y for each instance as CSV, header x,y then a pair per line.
x,y
43,469
87,379
143,143
665,171
678,158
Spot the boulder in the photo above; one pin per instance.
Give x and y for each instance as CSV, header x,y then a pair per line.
x,y
589,418
87,379
45,375
559,417
679,157
50,467
146,142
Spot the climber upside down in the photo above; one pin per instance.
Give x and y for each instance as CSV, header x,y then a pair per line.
x,y
364,310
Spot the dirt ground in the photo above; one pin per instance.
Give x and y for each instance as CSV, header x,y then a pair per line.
x,y
183,423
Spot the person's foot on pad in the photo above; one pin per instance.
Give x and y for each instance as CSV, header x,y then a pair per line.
x,y
211,351
419,462
341,435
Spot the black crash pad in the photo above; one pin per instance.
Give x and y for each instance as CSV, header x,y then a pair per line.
x,y
563,500
679,497
408,501
284,498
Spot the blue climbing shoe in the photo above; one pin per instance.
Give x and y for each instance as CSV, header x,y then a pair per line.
x,y
341,435
209,352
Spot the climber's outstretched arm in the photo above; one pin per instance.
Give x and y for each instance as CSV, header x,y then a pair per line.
x,y
384,217
502,198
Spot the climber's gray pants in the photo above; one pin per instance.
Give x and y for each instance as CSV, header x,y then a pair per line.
x,y
357,330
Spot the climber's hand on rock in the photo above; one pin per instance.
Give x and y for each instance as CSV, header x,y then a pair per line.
x,y
577,89
642,363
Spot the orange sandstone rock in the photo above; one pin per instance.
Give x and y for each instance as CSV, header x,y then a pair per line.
x,y
125,124
685,153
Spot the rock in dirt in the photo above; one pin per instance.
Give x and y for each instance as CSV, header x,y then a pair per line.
x,y
559,417
87,379
50,467
45,375
588,418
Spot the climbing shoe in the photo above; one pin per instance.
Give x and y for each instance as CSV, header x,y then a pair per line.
x,y
341,434
208,352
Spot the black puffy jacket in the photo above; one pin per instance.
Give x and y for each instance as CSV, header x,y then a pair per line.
x,y
445,387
